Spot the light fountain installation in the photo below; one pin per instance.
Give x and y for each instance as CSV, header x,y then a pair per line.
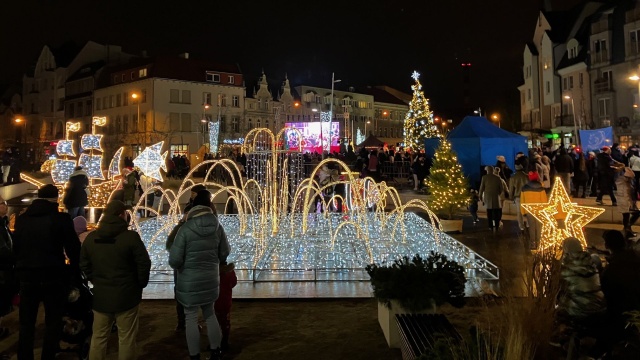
x,y
278,233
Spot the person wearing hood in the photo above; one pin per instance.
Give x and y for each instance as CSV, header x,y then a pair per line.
x,y
130,184
199,248
75,195
80,226
116,261
505,172
43,241
564,168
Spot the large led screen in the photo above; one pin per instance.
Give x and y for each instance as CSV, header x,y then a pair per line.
x,y
313,139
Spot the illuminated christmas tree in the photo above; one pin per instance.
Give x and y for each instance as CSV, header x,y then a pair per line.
x,y
418,124
446,182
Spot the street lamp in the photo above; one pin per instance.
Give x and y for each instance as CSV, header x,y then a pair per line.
x,y
136,98
573,111
204,122
365,129
20,121
495,117
333,81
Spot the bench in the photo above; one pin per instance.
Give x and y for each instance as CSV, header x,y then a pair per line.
x,y
419,332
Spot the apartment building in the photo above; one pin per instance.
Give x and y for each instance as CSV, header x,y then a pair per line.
x,y
170,99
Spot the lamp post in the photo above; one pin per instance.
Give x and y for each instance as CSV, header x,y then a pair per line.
x,y
573,112
333,81
495,117
136,98
205,107
366,135
20,121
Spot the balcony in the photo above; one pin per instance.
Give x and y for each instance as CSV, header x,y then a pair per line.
x,y
600,58
601,86
564,120
632,49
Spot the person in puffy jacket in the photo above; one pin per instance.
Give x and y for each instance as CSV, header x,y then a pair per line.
x,y
199,248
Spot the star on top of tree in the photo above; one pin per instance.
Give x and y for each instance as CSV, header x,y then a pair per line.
x,y
415,75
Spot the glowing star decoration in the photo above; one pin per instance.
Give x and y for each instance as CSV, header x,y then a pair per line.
x,y
415,76
91,142
65,148
561,218
61,171
214,132
92,164
114,165
150,161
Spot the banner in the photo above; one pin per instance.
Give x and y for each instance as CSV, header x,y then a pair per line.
x,y
593,140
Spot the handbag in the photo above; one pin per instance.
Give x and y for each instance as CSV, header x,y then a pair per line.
x,y
629,173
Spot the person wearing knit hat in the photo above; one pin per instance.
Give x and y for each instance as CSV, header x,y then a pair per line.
x,y
505,171
42,241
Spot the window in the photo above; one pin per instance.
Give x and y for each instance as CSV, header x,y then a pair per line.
x,y
135,123
51,105
118,100
144,95
548,86
125,124
70,110
600,52
604,107
565,83
222,100
142,72
186,96
570,82
118,125
580,79
174,120
79,109
231,79
174,96
634,42
235,123
528,94
223,123
98,104
111,102
213,77
573,52
179,150
123,78
125,99
206,98
185,121
133,75
115,79
235,101
87,108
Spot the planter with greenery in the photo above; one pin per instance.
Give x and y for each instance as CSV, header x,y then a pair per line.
x,y
415,286
448,186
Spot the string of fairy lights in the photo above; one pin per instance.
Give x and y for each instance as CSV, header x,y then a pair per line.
x,y
419,122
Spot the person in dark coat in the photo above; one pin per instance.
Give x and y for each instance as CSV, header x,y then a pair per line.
x,y
42,242
75,195
580,175
564,167
8,283
420,172
592,182
606,176
491,188
117,263
199,248
505,171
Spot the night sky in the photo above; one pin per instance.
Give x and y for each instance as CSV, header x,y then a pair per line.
x,y
370,42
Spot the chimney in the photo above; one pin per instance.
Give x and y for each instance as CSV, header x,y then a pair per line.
x,y
184,55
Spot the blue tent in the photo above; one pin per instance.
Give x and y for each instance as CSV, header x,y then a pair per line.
x,y
478,142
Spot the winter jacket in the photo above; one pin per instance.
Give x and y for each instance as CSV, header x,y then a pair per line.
x,y
621,282
581,297
76,194
116,261
634,163
41,238
518,180
130,187
228,280
604,162
199,247
491,188
580,175
564,163
532,193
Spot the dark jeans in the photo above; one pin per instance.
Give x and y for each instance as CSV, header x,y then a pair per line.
x,y
606,188
179,307
53,295
494,216
76,211
577,184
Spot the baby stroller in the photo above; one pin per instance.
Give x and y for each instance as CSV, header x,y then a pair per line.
x,y
77,321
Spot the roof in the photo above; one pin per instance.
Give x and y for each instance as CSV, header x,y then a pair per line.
x,y
371,142
479,127
380,95
532,48
87,70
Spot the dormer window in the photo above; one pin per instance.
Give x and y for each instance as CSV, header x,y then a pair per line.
x,y
213,77
572,48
